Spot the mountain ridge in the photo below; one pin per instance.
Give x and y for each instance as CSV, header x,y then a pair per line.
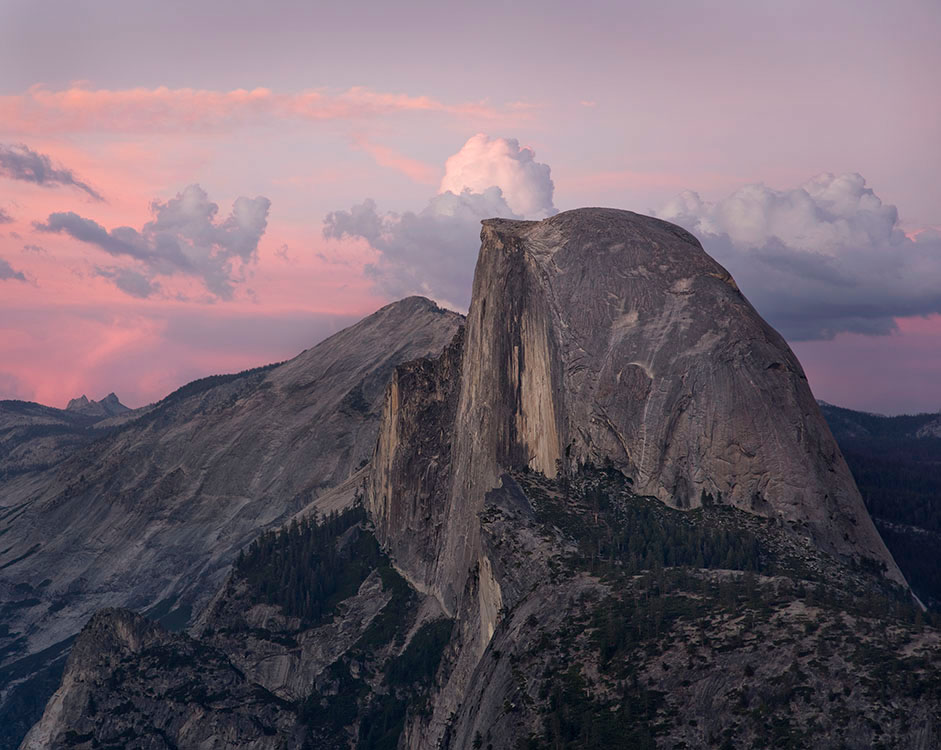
x,y
150,512
608,514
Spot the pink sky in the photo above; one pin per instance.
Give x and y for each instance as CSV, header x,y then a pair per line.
x,y
316,110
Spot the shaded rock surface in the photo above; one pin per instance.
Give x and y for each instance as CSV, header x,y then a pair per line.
x,y
130,683
260,674
624,624
149,512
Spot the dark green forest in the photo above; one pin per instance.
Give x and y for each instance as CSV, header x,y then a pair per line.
x,y
899,477
309,567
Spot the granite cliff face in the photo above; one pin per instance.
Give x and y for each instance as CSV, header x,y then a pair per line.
x,y
147,509
597,336
605,335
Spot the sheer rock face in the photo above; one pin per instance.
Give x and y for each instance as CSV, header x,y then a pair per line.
x,y
412,469
602,334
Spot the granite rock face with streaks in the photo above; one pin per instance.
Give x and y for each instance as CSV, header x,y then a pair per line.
x,y
603,334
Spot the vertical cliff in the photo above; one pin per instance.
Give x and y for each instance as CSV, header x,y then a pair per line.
x,y
602,335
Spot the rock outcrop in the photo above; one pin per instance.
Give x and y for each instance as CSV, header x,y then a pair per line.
x,y
164,691
599,336
109,406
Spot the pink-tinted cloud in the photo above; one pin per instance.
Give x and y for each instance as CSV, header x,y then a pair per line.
x,y
141,110
142,354
184,237
419,171
484,162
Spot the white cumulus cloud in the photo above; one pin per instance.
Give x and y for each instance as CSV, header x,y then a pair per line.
x,y
432,251
825,257
484,162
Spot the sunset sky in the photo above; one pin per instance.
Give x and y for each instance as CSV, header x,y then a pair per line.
x,y
201,187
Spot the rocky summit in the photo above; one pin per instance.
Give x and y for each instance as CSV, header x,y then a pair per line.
x,y
605,513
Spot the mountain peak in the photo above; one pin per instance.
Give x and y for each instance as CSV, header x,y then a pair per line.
x,y
77,404
109,406
601,335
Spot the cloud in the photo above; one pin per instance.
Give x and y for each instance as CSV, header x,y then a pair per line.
x,y
433,251
820,259
184,238
387,157
8,273
5,218
162,109
484,162
19,162
129,281
284,253
35,249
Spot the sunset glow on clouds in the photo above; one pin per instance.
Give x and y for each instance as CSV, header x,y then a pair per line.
x,y
168,215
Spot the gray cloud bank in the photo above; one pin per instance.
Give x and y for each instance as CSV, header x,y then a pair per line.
x,y
184,237
824,258
19,162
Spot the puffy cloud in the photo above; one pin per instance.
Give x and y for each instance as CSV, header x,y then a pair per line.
x,y
184,237
826,257
19,162
8,273
5,218
484,162
433,251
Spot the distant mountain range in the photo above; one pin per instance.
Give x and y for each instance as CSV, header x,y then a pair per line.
x,y
109,406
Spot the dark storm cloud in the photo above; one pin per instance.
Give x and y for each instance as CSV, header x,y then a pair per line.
x,y
184,237
19,162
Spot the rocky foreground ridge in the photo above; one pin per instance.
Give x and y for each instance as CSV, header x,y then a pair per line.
x,y
608,514
148,509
